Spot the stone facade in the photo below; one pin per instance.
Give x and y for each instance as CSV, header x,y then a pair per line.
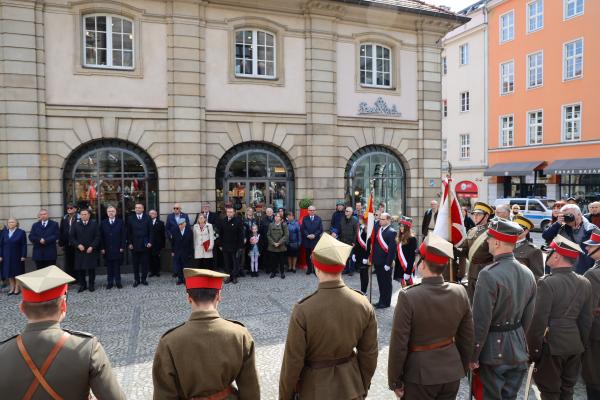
x,y
185,108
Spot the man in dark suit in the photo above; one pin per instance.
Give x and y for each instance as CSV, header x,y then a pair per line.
x,y
158,241
44,235
112,236
211,217
85,237
384,253
429,218
139,237
263,243
182,248
312,229
172,218
66,224
232,240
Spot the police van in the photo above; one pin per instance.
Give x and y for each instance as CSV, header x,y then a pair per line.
x,y
537,210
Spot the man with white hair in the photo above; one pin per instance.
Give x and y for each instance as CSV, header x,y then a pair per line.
x,y
574,226
503,211
594,213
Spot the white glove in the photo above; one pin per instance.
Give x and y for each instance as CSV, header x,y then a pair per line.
x,y
407,277
365,261
354,257
386,268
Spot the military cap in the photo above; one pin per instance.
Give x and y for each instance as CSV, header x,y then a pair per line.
x,y
483,208
330,255
594,238
524,222
565,247
406,222
203,278
44,284
504,230
436,249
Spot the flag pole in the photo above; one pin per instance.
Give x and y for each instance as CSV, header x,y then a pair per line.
x,y
372,189
450,202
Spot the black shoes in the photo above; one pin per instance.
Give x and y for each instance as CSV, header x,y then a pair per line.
x,y
110,286
145,283
234,280
272,275
308,272
136,284
350,273
119,286
180,283
294,271
81,289
174,275
92,288
282,275
228,280
380,306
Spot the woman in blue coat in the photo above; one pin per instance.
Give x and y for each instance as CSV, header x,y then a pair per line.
x,y
13,250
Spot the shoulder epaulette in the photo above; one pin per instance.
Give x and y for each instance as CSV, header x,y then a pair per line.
x,y
78,333
9,339
357,291
172,329
307,297
236,322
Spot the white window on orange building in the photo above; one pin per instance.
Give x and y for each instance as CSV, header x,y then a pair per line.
x,y
573,59
573,8
507,77
571,126
535,127
535,69
507,131
535,15
507,26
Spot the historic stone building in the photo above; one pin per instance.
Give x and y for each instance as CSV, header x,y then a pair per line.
x,y
256,102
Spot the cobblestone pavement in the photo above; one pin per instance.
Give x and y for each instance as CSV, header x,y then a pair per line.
x,y
129,323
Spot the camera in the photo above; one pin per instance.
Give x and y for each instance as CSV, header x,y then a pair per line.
x,y
569,218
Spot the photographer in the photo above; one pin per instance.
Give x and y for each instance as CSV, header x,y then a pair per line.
x,y
571,224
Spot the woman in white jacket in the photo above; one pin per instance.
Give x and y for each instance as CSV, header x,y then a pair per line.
x,y
204,241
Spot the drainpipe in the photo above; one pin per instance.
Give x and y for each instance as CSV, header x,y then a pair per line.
x,y
485,88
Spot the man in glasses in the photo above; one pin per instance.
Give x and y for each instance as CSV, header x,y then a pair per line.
x,y
172,219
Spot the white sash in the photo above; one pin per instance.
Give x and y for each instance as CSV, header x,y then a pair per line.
x,y
382,242
401,257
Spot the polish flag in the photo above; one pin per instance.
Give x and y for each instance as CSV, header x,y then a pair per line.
x,y
370,218
449,224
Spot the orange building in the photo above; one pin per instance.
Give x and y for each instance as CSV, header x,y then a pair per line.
x,y
544,99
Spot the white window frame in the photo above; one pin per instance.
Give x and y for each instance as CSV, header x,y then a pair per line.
x,y
502,130
444,149
255,74
502,77
535,125
509,28
465,146
465,101
109,42
374,70
539,68
573,59
535,16
566,7
463,54
577,120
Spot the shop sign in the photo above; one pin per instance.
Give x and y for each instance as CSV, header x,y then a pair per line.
x,y
577,171
466,187
380,107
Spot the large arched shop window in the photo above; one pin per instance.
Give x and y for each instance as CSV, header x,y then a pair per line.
x,y
255,175
110,172
385,169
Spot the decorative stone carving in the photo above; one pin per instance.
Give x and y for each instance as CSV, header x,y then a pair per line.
x,y
380,107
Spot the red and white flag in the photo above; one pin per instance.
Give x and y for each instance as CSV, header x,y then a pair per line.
x,y
370,216
449,224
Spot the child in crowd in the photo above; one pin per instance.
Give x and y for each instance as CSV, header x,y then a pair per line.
x,y
254,252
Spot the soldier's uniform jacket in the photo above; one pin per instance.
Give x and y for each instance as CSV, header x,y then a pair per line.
x,y
563,305
502,311
428,313
530,256
328,325
482,257
205,356
80,365
591,357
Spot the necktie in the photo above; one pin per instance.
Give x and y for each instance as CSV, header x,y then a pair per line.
x,y
112,221
140,217
44,224
153,222
312,219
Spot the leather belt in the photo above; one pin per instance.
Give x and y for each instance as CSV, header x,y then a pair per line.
x,y
432,346
505,327
222,395
329,363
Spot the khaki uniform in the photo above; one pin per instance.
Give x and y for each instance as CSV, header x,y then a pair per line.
x,y
428,315
324,329
563,308
481,258
203,357
530,256
80,365
591,357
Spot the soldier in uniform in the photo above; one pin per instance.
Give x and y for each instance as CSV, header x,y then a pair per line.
x,y
476,248
319,361
561,322
202,358
502,311
591,372
46,361
432,332
525,251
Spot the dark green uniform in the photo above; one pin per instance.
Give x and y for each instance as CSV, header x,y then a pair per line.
x,y
481,257
80,365
560,331
591,357
530,256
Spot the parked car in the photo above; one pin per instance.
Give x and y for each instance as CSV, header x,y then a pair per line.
x,y
538,210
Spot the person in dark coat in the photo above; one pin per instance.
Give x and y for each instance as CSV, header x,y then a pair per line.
x,y
429,218
85,237
337,217
158,241
13,251
348,228
406,248
312,229
232,240
66,224
172,219
182,248
384,253
43,235
265,260
139,237
360,254
112,236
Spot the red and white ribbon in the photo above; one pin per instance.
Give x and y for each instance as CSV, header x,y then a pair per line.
x,y
401,257
382,242
361,242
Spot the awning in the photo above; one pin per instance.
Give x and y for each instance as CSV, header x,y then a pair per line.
x,y
574,166
513,169
466,189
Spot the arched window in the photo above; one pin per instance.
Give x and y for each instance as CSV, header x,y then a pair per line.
x,y
108,42
110,172
255,54
255,175
377,164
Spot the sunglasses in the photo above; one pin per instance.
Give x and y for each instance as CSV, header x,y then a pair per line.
x,y
176,208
